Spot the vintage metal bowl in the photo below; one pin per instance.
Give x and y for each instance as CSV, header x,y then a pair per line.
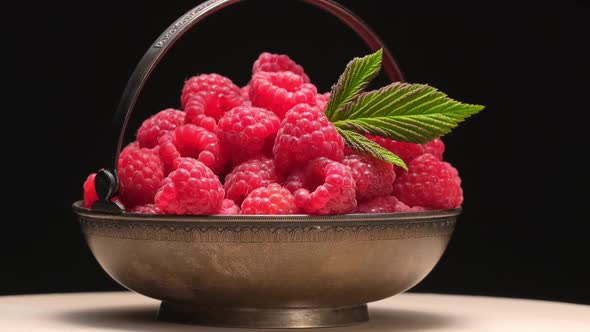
x,y
267,271
259,271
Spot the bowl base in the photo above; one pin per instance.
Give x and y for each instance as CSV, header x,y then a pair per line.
x,y
263,317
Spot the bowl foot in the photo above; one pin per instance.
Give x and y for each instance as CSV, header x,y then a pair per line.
x,y
263,317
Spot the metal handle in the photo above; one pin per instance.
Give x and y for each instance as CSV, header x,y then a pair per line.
x,y
107,181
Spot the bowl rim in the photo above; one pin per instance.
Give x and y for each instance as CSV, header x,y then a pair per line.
x,y
305,218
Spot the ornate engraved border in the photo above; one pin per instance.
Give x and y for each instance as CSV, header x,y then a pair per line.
x,y
264,233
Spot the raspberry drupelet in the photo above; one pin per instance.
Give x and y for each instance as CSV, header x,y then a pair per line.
x,y
436,147
321,100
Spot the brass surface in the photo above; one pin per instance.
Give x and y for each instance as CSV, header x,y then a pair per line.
x,y
233,263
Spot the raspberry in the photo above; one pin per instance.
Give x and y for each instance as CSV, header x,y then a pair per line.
x,y
192,141
272,199
280,91
227,93
245,92
198,108
190,189
295,180
246,132
147,209
157,125
373,177
385,204
229,207
131,146
329,188
244,178
140,175
90,195
321,100
305,134
408,151
277,62
436,147
430,183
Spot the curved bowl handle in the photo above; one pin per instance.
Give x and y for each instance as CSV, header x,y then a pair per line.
x,y
108,185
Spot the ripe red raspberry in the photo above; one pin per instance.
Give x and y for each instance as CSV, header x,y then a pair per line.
x,y
280,91
321,100
430,183
278,62
305,134
131,146
385,204
436,147
227,93
140,174
157,125
251,174
229,207
272,199
245,93
373,177
147,209
408,151
191,189
192,141
198,109
329,188
90,195
246,132
295,180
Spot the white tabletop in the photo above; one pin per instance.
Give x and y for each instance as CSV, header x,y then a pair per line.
x,y
124,311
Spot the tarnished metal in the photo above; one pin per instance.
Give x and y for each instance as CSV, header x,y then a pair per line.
x,y
209,265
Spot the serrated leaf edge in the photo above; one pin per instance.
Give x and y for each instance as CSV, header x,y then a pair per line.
x,y
362,144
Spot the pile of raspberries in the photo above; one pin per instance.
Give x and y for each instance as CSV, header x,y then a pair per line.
x,y
268,148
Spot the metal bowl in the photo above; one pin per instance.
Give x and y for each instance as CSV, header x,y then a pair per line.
x,y
267,271
259,271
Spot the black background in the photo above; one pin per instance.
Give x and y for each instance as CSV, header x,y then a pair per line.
x,y
524,229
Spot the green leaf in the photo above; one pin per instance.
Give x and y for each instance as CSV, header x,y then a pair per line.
x,y
415,113
358,73
362,144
